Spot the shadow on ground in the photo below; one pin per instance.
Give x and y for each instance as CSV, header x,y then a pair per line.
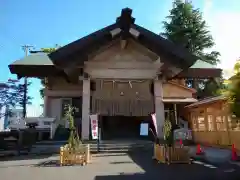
x,y
108,155
122,162
154,170
49,163
23,161
25,157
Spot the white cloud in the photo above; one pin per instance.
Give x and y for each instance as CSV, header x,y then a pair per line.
x,y
225,31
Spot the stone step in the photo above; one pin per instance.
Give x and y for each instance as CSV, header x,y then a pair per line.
x,y
56,150
94,143
95,146
105,147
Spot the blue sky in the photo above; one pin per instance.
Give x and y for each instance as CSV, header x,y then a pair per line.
x,y
46,23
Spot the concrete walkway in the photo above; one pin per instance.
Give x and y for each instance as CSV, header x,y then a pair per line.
x,y
109,166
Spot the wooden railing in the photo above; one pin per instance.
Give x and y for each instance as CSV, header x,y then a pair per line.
x,y
218,138
81,155
214,125
171,155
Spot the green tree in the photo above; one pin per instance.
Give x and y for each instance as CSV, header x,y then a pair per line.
x,y
43,81
11,95
233,91
210,87
185,26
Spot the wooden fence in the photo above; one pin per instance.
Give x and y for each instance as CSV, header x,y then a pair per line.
x,y
213,124
81,155
218,138
171,155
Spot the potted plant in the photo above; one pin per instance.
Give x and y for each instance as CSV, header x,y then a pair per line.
x,y
73,140
168,132
168,137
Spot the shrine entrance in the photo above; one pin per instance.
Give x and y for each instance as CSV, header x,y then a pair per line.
x,y
123,106
122,127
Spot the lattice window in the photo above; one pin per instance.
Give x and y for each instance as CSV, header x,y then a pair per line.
x,y
210,123
219,123
194,123
201,123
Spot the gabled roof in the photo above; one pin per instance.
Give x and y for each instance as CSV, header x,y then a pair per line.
x,y
203,64
39,59
36,65
39,65
124,28
183,87
207,101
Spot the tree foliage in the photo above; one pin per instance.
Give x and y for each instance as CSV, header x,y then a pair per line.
x,y
168,130
233,91
210,87
185,26
11,95
47,50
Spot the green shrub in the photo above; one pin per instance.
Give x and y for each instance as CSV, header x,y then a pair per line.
x,y
167,131
73,140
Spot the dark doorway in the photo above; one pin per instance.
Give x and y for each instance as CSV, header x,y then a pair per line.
x,y
122,127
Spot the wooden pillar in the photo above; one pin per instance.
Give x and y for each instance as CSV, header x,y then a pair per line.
x,y
196,118
85,109
195,84
206,120
45,106
159,107
226,125
175,113
214,122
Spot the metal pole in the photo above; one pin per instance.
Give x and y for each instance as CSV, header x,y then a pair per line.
x,y
99,128
25,98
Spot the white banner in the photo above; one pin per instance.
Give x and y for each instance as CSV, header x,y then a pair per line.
x,y
154,122
94,125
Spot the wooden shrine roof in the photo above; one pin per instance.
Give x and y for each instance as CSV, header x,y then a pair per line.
x,y
76,53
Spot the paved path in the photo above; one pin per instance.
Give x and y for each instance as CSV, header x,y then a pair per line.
x,y
211,154
109,167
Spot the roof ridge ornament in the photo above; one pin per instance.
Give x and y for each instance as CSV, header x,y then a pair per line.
x,y
125,21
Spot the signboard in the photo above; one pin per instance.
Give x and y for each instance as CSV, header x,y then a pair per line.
x,y
144,129
94,125
183,134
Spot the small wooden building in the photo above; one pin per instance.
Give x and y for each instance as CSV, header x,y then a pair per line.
x,y
212,123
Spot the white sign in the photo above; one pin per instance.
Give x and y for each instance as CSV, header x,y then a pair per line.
x,y
94,125
144,129
183,134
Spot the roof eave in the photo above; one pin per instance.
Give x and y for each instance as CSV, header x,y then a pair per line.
x,y
59,56
37,71
175,50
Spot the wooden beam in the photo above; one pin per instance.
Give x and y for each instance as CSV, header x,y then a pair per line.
x,y
115,32
134,32
200,73
123,44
